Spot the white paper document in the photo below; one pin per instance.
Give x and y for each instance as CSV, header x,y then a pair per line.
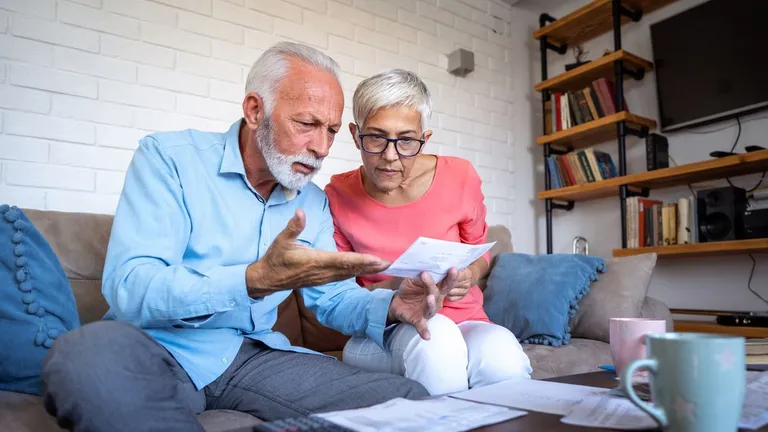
x,y
754,413
532,395
440,414
435,257
610,412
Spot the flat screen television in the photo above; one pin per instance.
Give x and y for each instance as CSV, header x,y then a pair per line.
x,y
711,62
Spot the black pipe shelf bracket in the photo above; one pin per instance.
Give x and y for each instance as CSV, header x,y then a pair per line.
x,y
543,20
643,192
633,15
642,132
636,74
568,206
556,151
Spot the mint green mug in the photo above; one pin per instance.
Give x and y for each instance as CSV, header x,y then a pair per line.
x,y
697,381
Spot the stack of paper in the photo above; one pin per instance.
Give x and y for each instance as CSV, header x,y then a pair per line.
x,y
441,415
542,396
435,257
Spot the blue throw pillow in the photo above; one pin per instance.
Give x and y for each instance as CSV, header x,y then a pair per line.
x,y
36,302
534,296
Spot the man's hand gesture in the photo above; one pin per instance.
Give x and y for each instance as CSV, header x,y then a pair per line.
x,y
417,300
289,264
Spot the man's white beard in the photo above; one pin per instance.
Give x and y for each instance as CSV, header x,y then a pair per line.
x,y
280,165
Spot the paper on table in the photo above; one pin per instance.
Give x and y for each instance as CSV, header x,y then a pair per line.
x,y
532,395
440,414
605,411
435,257
754,413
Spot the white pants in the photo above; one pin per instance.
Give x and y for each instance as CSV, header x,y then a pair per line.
x,y
455,358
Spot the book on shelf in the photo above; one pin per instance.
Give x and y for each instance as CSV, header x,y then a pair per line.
x,y
580,167
568,109
654,223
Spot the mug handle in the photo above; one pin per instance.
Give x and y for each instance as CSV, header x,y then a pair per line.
x,y
657,413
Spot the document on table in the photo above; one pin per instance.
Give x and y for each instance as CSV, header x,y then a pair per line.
x,y
532,395
611,412
754,413
435,257
441,414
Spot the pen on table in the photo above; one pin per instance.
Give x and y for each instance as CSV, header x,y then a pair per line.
x,y
607,367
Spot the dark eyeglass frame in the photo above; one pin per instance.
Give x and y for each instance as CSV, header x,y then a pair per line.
x,y
392,141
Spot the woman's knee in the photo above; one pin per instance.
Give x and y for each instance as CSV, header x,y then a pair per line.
x,y
445,339
498,357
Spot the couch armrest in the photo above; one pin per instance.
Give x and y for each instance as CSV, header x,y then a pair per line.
x,y
656,309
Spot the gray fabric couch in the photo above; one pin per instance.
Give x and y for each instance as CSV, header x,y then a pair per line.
x,y
80,242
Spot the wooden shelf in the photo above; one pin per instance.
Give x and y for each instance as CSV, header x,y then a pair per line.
x,y
592,20
594,132
582,76
700,249
712,327
730,166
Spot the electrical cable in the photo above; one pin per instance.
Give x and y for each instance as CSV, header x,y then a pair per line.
x,y
749,282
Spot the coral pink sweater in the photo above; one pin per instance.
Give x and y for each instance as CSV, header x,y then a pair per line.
x,y
451,209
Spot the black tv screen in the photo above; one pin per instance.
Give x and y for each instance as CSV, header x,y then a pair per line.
x,y
711,62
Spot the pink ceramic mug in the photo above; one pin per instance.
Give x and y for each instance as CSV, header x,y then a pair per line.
x,y
627,336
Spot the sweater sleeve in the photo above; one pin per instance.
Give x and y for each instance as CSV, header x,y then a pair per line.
x,y
473,228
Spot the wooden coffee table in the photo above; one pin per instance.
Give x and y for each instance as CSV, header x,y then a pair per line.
x,y
536,421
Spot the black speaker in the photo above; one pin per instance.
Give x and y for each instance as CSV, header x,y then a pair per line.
x,y
720,213
656,152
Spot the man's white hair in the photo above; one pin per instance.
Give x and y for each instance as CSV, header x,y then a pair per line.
x,y
391,87
272,66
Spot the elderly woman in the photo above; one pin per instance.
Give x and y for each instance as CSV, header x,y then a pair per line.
x,y
398,195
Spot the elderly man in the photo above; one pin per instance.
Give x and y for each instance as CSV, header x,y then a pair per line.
x,y
211,233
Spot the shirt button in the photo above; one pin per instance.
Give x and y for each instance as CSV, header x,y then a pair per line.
x,y
232,303
224,360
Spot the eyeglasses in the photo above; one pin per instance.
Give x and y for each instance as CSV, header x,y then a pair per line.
x,y
377,144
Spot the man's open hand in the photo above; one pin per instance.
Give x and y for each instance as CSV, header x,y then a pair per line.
x,y
289,264
417,300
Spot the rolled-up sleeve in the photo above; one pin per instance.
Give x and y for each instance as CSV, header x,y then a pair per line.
x,y
145,281
345,306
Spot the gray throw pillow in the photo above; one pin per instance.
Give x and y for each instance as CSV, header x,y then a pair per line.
x,y
619,293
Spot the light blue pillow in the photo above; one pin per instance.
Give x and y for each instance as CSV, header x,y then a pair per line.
x,y
534,296
36,302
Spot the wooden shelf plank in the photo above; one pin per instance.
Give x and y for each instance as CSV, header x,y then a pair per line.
x,y
712,327
582,76
592,20
594,132
696,172
700,249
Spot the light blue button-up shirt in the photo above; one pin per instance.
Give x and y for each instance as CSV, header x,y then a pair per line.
x,y
187,225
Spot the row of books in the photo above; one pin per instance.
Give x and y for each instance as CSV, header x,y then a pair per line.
x,y
578,107
580,167
653,223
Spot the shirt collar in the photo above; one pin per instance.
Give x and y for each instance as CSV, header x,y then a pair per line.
x,y
232,160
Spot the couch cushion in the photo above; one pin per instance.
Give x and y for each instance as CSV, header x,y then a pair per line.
x,y
579,356
36,302
534,296
80,242
24,413
619,293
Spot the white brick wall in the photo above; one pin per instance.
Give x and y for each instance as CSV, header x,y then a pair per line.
x,y
81,81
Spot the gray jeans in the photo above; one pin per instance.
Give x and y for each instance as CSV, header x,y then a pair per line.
x,y
112,376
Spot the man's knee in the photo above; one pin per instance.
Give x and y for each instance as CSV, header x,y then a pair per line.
x,y
78,355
